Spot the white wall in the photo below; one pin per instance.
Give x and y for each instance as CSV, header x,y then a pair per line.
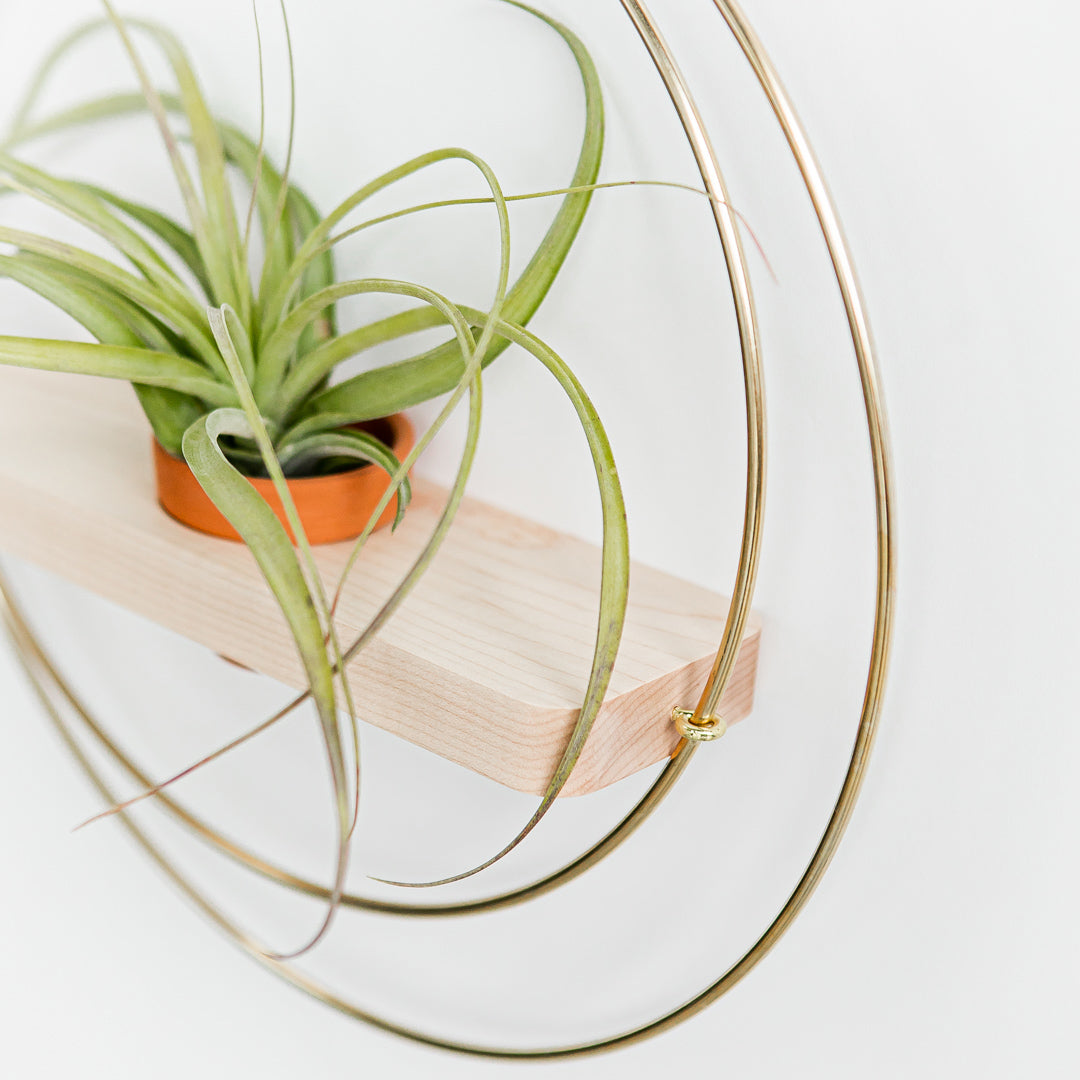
x,y
942,943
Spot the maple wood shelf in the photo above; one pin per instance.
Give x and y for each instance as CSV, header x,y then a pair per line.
x,y
484,665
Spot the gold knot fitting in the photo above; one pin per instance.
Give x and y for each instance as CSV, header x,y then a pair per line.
x,y
706,729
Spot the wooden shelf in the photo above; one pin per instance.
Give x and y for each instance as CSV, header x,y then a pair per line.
x,y
485,664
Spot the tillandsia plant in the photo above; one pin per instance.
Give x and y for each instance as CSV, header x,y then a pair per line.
x,y
233,364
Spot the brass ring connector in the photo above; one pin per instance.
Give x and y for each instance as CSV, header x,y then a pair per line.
x,y
707,729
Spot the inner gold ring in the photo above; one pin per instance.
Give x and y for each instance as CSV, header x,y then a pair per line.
x,y
56,693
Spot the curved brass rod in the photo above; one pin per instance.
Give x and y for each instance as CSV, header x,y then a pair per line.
x,y
43,679
878,435
746,318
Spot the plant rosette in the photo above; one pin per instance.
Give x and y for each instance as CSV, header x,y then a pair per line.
x,y
233,362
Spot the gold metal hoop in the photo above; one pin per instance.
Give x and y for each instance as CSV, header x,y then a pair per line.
x,y
51,686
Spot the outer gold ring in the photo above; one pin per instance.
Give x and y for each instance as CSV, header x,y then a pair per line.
x,y
51,686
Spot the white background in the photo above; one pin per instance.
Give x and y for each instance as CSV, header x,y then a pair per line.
x,y
943,942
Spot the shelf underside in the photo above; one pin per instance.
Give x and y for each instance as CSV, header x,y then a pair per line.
x,y
485,664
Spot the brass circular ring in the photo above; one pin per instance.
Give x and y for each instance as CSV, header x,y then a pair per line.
x,y
48,682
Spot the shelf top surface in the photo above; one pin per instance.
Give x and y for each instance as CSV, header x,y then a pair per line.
x,y
507,612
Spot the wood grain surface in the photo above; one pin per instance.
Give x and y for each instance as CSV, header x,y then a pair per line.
x,y
486,663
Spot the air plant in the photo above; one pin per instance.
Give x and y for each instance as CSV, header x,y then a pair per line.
x,y
236,377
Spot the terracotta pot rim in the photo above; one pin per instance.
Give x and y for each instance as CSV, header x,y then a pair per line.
x,y
401,429
332,508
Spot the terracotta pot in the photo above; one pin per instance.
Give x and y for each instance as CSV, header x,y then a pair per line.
x,y
331,508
